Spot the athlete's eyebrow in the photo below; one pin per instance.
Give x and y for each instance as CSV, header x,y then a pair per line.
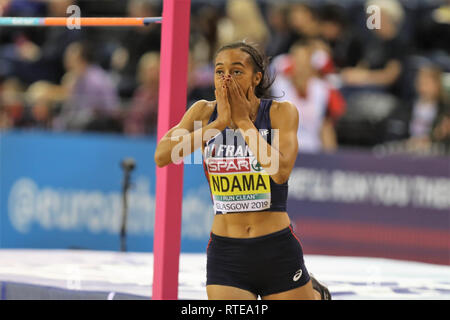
x,y
233,63
239,63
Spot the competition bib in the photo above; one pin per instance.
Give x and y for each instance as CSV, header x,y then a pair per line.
x,y
238,184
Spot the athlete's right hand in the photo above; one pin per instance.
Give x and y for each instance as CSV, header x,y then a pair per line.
x,y
223,106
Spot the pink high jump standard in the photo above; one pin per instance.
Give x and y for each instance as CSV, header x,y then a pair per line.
x,y
169,180
172,105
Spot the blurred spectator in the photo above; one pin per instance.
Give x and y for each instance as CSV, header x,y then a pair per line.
x,y
441,132
42,98
243,21
200,81
304,21
422,119
204,33
141,117
299,82
92,100
31,60
4,6
371,89
281,37
429,104
133,44
432,27
5,121
322,63
381,63
12,104
373,69
22,8
345,46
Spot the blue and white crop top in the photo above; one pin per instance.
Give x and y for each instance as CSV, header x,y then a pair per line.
x,y
237,182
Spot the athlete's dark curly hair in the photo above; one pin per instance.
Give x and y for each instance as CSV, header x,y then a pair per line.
x,y
260,63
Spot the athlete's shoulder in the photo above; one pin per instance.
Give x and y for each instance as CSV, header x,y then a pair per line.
x,y
201,105
283,109
202,109
209,105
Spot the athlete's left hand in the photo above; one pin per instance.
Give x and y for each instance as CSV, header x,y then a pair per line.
x,y
241,103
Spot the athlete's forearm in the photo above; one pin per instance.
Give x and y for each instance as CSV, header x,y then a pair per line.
x,y
181,143
268,157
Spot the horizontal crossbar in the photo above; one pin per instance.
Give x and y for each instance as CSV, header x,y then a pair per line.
x,y
83,22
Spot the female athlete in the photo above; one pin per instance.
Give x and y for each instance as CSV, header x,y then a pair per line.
x,y
249,149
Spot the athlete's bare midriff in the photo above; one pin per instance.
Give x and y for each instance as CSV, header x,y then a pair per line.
x,y
249,224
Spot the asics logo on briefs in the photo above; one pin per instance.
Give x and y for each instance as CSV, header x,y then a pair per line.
x,y
297,275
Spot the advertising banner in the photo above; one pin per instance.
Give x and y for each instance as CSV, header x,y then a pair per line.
x,y
354,203
64,191
60,190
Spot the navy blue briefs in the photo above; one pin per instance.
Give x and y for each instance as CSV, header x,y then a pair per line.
x,y
263,265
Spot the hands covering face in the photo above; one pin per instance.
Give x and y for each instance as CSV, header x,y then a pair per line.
x,y
230,93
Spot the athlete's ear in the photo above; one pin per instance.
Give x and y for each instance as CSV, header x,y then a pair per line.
x,y
257,77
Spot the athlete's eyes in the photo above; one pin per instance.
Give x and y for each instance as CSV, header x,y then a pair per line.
x,y
235,72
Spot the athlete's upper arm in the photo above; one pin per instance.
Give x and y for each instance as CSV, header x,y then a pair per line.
x,y
284,118
197,112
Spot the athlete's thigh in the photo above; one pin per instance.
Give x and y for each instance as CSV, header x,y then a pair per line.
x,y
219,292
305,292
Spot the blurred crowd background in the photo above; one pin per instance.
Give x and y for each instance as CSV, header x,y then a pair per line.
x,y
358,82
